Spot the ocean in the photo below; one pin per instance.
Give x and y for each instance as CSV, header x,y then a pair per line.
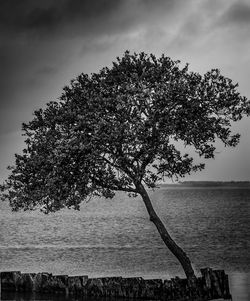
x,y
115,237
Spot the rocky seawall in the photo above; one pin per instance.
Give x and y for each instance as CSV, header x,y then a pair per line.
x,y
213,284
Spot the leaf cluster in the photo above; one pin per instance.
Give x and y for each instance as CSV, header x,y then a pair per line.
x,y
115,129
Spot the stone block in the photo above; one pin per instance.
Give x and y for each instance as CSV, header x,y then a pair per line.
x,y
59,284
9,280
206,282
212,284
42,282
25,283
132,287
95,287
77,285
112,286
152,289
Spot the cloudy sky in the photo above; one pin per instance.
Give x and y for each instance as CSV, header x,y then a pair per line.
x,y
46,43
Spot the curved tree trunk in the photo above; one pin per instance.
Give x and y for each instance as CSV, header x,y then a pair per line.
x,y
169,242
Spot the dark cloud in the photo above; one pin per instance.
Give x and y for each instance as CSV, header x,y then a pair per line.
x,y
42,19
40,38
28,28
238,13
46,43
47,17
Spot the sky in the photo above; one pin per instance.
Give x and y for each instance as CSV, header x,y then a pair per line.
x,y
45,44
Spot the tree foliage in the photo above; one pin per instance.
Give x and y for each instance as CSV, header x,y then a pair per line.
x,y
116,129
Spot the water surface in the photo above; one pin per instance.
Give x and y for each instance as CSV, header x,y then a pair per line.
x,y
116,238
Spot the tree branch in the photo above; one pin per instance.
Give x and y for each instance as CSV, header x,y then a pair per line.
x,y
100,183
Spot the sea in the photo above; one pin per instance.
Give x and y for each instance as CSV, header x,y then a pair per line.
x,y
114,237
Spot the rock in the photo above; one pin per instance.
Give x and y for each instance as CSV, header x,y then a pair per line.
x,y
95,287
25,283
132,287
215,284
112,286
60,284
42,282
77,285
9,280
152,289
220,284
212,284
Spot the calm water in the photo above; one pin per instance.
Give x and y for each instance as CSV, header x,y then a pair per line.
x,y
115,237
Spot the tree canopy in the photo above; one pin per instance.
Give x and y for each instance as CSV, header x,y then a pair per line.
x,y
117,128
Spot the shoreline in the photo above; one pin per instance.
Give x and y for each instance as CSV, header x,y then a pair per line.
x,y
213,284
239,283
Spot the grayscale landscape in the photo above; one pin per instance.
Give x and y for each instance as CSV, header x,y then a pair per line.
x,y
111,142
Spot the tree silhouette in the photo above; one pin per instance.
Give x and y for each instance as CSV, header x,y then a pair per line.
x,y
116,130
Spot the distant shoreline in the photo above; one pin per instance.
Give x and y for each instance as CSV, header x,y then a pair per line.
x,y
208,184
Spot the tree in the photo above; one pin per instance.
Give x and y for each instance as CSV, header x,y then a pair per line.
x,y
116,130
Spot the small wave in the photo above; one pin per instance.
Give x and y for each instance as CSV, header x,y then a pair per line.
x,y
59,247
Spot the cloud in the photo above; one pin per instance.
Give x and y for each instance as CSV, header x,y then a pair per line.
x,y
237,14
219,27
40,40
46,70
63,18
46,43
53,17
